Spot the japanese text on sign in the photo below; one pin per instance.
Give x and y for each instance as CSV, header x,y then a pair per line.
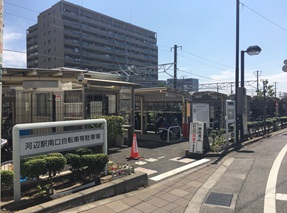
x,y
57,142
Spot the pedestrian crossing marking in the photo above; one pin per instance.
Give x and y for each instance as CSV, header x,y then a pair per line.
x,y
178,170
151,160
182,160
280,196
147,171
140,162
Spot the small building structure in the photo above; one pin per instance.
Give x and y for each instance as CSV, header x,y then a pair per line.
x,y
157,101
217,107
43,95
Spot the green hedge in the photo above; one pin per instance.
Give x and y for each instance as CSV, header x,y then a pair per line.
x,y
7,178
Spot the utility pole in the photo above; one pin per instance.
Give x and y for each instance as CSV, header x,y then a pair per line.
x,y
264,105
1,56
275,87
175,64
257,74
237,120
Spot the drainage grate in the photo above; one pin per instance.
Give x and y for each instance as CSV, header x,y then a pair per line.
x,y
219,199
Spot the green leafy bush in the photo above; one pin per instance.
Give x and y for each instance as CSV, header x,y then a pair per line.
x,y
7,178
218,140
83,151
95,163
114,125
74,160
33,168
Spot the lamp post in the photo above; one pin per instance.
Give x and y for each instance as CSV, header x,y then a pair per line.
x,y
241,96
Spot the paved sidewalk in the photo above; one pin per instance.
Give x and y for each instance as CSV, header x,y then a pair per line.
x,y
182,193
171,195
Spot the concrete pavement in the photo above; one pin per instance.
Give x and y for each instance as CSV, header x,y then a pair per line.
x,y
179,193
193,191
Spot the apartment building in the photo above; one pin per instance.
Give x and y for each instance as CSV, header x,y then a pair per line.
x,y
185,84
68,35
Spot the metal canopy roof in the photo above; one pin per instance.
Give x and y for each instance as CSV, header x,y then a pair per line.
x,y
161,94
110,83
16,76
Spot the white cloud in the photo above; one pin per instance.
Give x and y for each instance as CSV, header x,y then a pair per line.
x,y
14,59
11,37
12,55
223,76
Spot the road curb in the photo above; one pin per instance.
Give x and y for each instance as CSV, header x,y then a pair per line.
x,y
109,189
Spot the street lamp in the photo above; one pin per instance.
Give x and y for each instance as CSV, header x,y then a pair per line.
x,y
252,50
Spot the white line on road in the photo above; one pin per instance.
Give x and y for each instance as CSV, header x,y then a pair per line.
x,y
280,196
269,200
180,169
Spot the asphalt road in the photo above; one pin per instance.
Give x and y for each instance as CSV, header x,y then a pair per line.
x,y
158,157
256,178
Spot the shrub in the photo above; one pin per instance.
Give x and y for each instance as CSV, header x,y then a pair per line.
x,y
83,151
34,168
7,178
95,163
218,139
74,160
114,125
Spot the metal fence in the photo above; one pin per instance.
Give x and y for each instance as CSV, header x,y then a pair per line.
x,y
33,106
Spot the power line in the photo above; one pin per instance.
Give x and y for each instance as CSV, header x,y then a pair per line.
x,y
272,22
11,14
200,62
208,60
15,51
25,8
184,71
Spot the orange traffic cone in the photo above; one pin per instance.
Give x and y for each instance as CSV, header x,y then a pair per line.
x,y
134,152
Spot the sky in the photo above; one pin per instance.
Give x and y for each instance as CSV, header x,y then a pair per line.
x,y
203,30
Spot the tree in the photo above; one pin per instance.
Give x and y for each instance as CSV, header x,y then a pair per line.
x,y
268,89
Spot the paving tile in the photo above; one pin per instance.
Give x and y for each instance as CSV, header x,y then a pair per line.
x,y
169,197
158,202
178,209
195,184
101,209
184,181
191,189
160,211
117,206
202,179
131,201
146,207
143,196
179,192
130,210
153,191
183,202
170,207
189,196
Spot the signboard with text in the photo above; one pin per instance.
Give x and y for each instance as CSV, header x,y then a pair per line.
x,y
200,113
196,136
35,145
